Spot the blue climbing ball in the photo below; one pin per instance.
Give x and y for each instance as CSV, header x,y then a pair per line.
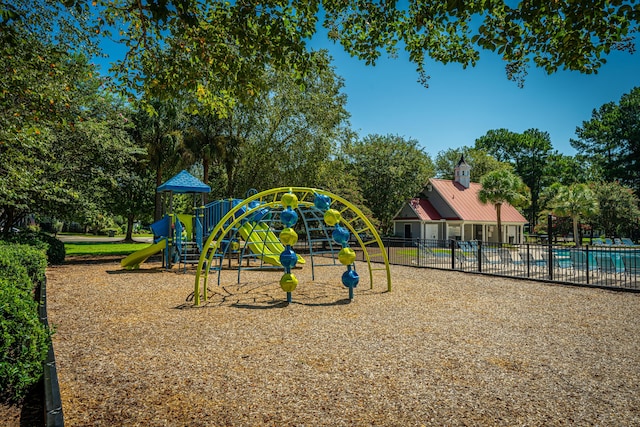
x,y
340,235
350,278
322,202
288,217
288,258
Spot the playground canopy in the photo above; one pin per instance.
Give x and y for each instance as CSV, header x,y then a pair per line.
x,y
184,182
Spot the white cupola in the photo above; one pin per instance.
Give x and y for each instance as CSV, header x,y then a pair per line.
x,y
462,173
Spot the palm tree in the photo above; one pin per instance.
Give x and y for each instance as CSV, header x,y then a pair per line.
x,y
503,186
576,201
160,133
200,141
210,139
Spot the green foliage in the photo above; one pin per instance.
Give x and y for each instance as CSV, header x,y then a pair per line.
x,y
576,201
23,338
502,186
389,170
528,152
53,247
619,212
281,138
567,170
160,134
16,266
611,140
480,161
61,137
218,50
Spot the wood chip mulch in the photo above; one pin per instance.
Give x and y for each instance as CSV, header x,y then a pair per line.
x,y
443,348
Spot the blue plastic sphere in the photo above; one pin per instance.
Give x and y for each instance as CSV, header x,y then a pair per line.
x,y
288,217
288,258
322,202
350,278
341,235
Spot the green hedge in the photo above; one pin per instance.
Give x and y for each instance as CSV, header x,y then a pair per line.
x,y
24,340
52,246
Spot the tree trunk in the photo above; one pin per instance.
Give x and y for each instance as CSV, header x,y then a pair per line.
x,y
157,214
230,184
129,237
205,175
576,235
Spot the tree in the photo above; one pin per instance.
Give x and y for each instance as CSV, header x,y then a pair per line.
x,y
159,131
568,170
576,201
389,170
61,136
132,193
203,141
502,186
528,153
288,135
480,161
619,213
611,140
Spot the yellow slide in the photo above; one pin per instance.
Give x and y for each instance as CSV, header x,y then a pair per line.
x,y
264,243
271,240
134,260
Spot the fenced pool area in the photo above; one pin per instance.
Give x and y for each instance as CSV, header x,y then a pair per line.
x,y
616,267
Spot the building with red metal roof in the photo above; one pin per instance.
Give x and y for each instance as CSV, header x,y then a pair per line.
x,y
450,209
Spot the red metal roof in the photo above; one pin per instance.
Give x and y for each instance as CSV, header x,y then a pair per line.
x,y
464,201
425,210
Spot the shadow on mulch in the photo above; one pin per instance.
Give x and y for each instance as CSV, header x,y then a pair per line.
x,y
99,259
32,412
27,413
140,271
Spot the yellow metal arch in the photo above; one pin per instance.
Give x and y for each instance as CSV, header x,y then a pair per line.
x,y
350,214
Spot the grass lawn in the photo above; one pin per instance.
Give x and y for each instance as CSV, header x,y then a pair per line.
x,y
106,248
414,251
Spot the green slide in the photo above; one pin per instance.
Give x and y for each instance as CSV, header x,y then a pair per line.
x,y
134,260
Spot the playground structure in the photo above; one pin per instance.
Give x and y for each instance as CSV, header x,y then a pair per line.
x,y
329,222
177,236
260,233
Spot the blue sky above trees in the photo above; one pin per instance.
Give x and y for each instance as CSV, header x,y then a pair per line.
x,y
462,105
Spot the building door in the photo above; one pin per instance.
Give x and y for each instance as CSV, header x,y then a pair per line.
x,y
477,232
431,231
407,231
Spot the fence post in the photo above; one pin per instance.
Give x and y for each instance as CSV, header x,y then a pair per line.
x,y
528,261
479,256
452,245
587,263
388,249
550,256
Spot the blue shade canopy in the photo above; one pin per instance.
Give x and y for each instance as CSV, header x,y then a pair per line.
x,y
184,182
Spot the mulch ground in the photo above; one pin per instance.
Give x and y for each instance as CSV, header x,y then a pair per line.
x,y
443,348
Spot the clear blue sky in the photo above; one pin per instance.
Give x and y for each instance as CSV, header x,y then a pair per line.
x,y
462,105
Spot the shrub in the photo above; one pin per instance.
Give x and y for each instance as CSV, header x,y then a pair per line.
x,y
55,252
54,248
24,340
22,265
